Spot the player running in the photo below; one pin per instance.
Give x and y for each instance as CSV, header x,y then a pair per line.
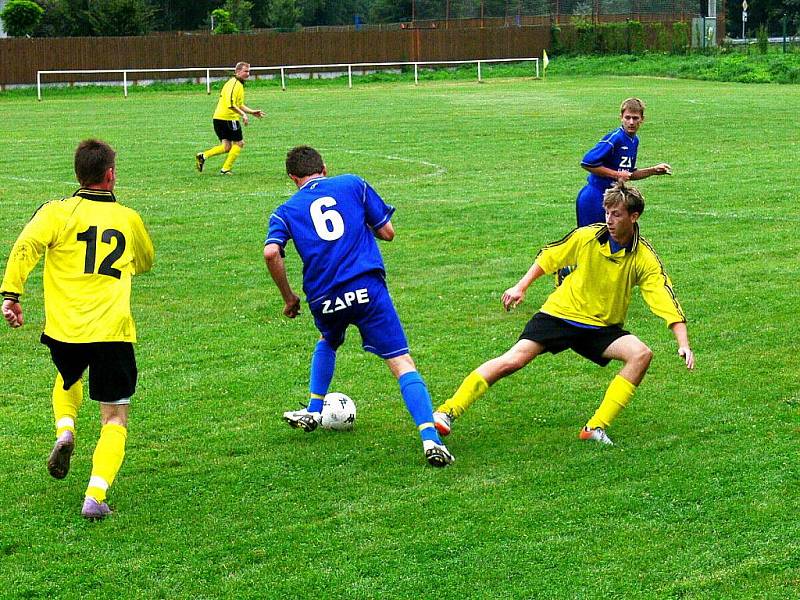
x,y
587,311
333,222
230,108
92,246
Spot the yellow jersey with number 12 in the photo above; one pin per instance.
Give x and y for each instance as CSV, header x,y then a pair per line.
x,y
93,246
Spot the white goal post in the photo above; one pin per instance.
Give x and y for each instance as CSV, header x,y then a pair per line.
x,y
205,72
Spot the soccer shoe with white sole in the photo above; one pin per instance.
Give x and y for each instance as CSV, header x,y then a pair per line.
x,y
597,434
302,419
437,455
443,423
225,172
199,160
94,510
58,461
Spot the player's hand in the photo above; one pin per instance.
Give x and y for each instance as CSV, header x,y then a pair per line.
x,y
258,113
292,307
623,176
245,119
687,355
663,169
512,297
12,313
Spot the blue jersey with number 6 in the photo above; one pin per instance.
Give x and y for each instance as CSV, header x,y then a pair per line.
x,y
331,221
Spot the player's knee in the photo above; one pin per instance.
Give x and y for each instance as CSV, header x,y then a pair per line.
x,y
240,144
643,356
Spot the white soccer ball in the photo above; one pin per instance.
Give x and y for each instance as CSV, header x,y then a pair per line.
x,y
338,412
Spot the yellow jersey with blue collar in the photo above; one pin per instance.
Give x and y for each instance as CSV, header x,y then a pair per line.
x,y
598,291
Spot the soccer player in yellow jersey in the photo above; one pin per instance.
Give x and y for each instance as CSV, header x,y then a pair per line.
x,y
587,311
230,108
92,246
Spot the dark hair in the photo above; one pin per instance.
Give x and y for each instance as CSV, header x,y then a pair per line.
x,y
92,159
630,197
302,161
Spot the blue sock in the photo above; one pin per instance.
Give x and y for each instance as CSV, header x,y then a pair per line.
x,y
418,402
323,363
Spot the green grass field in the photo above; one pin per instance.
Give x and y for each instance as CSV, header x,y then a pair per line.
x,y
218,498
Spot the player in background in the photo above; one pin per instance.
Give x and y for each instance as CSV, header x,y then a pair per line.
x,y
587,311
230,108
92,247
333,222
612,159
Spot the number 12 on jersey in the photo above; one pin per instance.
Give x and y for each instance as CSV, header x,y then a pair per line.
x,y
107,266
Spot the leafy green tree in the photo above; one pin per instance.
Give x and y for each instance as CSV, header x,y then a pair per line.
x,y
121,17
239,11
390,11
20,17
222,22
283,14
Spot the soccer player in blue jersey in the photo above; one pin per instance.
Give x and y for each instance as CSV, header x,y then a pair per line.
x,y
334,223
613,159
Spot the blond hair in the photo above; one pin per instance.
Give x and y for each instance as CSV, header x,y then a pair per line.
x,y
633,105
628,196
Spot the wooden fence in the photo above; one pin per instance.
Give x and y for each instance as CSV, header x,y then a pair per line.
x,y
21,58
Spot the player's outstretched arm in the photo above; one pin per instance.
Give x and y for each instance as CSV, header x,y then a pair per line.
x,y
277,270
513,296
12,313
682,337
253,111
610,173
659,169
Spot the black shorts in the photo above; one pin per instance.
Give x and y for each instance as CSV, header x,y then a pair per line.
x,y
556,335
112,367
228,130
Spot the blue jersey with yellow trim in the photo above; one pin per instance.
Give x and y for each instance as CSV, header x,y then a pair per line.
x,y
617,151
332,221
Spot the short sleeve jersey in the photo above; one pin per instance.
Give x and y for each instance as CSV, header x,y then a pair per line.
x,y
332,221
92,246
617,151
232,94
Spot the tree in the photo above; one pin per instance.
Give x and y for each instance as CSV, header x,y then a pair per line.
x,y
283,14
20,17
222,22
239,11
390,11
121,17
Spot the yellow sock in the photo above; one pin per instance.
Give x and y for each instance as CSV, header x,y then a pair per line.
x,y
618,394
472,388
107,460
66,404
232,156
214,151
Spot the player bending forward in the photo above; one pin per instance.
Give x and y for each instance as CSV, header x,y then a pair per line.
x,y
587,311
333,222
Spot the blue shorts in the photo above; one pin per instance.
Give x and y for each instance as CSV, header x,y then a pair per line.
x,y
365,303
589,205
